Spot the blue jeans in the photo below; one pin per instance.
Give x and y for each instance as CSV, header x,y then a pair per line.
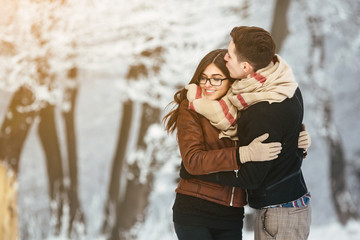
x,y
184,232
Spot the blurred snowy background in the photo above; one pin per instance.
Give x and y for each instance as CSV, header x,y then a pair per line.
x,y
84,85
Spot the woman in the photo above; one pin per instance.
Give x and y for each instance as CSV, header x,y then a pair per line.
x,y
204,210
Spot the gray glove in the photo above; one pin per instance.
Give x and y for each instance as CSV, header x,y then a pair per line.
x,y
258,151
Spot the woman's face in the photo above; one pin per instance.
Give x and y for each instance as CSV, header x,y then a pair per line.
x,y
214,92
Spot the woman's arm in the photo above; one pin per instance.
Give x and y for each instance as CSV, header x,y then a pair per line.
x,y
199,160
196,158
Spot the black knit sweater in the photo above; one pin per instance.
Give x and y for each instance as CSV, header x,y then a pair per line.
x,y
280,180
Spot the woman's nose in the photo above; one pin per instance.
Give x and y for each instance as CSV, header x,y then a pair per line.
x,y
208,84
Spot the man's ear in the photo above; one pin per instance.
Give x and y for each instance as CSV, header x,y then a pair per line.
x,y
246,67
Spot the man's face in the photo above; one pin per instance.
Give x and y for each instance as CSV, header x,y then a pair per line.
x,y
235,67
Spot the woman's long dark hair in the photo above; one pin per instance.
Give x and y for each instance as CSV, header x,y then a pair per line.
x,y
216,57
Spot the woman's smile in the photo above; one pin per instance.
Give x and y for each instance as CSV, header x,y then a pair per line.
x,y
212,92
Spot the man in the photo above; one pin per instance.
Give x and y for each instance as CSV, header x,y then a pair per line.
x,y
269,101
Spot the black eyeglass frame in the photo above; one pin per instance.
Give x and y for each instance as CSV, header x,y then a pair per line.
x,y
210,81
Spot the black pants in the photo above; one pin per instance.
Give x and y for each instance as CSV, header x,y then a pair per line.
x,y
184,232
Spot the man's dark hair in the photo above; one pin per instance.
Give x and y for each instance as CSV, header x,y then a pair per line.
x,y
254,45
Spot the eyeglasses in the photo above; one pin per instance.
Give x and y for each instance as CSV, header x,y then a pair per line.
x,y
213,81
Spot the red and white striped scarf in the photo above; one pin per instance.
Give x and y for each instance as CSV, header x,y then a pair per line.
x,y
273,83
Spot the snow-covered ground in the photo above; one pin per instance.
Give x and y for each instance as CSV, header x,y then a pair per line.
x,y
110,36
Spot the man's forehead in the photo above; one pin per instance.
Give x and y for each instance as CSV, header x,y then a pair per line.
x,y
231,47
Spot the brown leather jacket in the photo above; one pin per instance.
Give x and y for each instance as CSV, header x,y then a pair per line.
x,y
202,152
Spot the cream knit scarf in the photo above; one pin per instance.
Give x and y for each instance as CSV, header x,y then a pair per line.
x,y
273,83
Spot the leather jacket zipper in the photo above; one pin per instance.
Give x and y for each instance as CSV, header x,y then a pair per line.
x,y
237,170
233,188
232,196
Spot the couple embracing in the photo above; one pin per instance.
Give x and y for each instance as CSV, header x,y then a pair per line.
x,y
241,138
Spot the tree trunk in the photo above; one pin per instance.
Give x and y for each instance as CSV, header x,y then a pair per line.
x,y
76,212
279,29
149,116
118,161
343,204
15,127
49,139
131,208
8,207
13,133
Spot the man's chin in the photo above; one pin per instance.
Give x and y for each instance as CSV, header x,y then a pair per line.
x,y
234,76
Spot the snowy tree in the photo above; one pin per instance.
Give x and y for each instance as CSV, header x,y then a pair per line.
x,y
44,77
324,31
